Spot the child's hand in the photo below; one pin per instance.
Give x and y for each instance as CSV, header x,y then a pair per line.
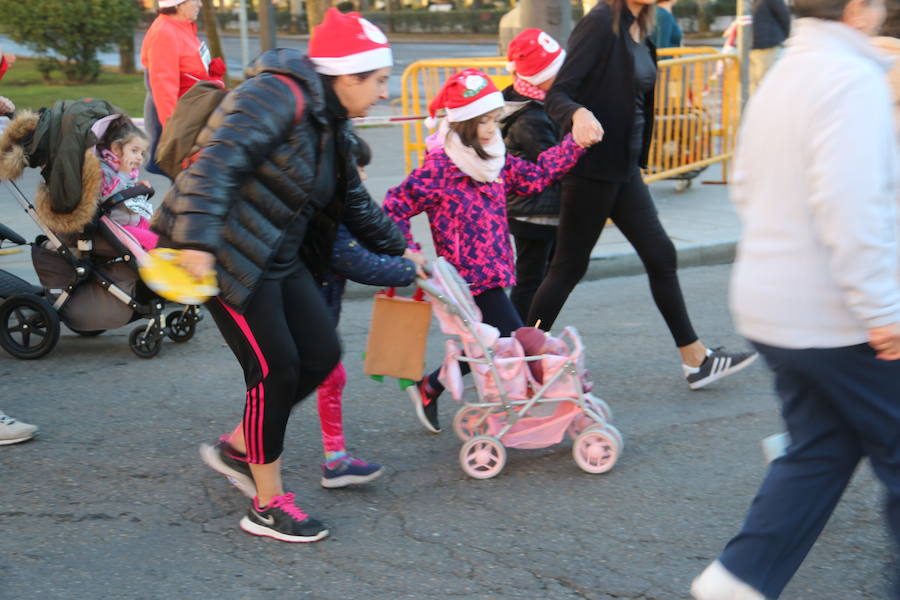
x,y
6,106
586,129
196,262
419,260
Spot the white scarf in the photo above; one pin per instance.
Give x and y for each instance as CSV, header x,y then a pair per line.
x,y
464,157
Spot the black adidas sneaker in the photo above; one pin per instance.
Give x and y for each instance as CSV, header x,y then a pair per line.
x,y
718,364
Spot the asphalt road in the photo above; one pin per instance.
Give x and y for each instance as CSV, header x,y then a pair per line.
x,y
112,501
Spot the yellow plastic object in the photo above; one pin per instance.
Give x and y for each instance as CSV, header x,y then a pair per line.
x,y
160,271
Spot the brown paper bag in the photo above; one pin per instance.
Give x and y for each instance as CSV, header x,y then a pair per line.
x,y
398,335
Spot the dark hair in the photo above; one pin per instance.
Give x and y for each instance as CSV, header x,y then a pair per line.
x,y
119,131
363,152
361,76
169,10
646,19
468,135
829,10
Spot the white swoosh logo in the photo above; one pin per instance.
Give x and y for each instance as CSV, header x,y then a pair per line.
x,y
268,520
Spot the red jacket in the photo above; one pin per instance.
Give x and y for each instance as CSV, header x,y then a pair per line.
x,y
175,59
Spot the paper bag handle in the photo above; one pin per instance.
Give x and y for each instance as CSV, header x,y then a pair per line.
x,y
419,296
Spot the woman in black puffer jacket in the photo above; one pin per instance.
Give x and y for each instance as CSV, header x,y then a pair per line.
x,y
274,178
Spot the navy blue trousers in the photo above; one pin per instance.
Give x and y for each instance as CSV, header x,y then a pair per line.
x,y
839,405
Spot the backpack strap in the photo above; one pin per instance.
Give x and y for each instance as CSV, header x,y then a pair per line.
x,y
299,103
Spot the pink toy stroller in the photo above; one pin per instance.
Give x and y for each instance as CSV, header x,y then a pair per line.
x,y
531,389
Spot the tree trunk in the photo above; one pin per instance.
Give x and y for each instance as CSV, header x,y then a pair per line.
x,y
267,35
315,12
295,16
126,56
212,34
553,16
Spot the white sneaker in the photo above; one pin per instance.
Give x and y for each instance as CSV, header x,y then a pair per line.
x,y
13,432
717,583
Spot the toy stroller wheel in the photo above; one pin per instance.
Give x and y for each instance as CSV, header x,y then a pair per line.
x,y
579,424
595,450
482,457
469,422
614,431
144,344
86,333
683,185
180,326
601,407
29,327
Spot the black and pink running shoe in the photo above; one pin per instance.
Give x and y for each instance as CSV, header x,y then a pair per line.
x,y
283,521
223,459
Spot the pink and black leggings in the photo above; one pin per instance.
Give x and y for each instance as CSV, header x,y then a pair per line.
x,y
286,343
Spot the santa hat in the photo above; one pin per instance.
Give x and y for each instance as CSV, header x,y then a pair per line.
x,y
466,95
345,44
534,56
170,3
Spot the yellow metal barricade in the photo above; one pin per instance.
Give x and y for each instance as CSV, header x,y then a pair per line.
x,y
697,107
421,82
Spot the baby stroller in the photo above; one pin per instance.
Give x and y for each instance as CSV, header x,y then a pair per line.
x,y
531,389
88,269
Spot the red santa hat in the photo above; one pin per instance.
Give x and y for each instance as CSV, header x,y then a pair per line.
x,y
534,56
466,95
345,44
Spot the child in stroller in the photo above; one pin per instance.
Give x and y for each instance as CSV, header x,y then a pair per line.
x,y
122,150
531,388
85,260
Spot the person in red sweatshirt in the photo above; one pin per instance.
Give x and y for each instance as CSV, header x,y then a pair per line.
x,y
174,59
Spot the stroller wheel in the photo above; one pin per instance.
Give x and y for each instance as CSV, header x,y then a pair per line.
x,y
482,457
143,343
29,327
596,450
579,424
181,325
614,431
683,185
470,422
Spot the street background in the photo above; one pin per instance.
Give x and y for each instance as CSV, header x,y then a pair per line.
x,y
111,500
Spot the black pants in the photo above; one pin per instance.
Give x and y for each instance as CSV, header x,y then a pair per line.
x,y
586,204
534,249
839,405
287,344
496,310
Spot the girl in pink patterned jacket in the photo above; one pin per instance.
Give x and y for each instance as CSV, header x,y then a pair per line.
x,y
462,187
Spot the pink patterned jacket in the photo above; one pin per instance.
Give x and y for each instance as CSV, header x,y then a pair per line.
x,y
468,218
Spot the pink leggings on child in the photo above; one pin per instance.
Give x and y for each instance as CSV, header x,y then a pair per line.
x,y
329,399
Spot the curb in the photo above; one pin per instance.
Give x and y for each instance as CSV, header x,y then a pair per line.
x,y
607,266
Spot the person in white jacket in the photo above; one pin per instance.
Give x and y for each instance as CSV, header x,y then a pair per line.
x,y
816,286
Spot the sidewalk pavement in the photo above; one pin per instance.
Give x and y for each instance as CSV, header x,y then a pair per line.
x,y
700,221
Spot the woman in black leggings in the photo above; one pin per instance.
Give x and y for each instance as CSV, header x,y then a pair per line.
x,y
610,75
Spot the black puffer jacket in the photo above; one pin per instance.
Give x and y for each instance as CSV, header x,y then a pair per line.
x,y
528,131
257,173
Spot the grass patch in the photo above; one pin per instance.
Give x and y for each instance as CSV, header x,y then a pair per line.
x,y
24,85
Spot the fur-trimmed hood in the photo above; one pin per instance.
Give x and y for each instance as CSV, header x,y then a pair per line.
x,y
14,158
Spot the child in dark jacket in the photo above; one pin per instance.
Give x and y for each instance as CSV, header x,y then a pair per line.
x,y
534,59
462,187
351,260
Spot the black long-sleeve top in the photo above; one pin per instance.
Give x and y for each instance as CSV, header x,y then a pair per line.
x,y
599,75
